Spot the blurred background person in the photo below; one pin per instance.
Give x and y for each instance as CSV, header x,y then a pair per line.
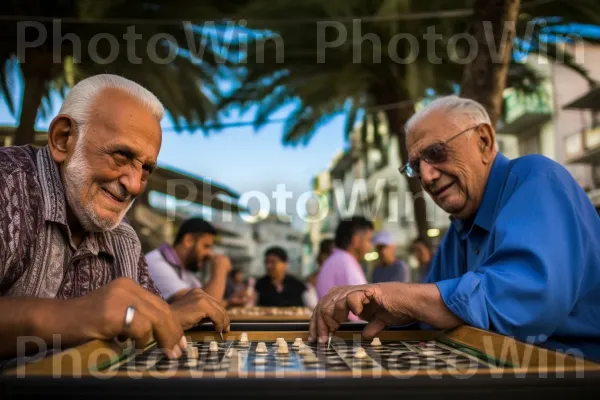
x,y
423,253
352,241
388,268
236,293
277,288
235,282
174,268
311,298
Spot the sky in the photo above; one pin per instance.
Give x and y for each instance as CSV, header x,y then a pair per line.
x,y
241,158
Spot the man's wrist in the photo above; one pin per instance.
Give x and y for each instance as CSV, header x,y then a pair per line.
x,y
61,317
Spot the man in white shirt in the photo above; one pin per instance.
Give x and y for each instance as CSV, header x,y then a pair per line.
x,y
173,268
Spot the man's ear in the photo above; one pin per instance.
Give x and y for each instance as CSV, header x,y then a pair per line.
x,y
487,142
188,240
61,137
355,241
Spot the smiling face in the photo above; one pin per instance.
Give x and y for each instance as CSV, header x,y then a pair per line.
x,y
456,185
108,167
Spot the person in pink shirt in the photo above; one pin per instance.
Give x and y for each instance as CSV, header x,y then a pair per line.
x,y
352,241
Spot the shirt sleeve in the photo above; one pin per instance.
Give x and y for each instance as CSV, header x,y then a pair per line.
x,y
164,276
144,278
353,275
529,284
12,222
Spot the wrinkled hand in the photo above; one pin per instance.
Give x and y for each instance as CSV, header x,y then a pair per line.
x,y
196,306
152,318
379,304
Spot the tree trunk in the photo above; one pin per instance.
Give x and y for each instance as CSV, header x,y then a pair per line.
x,y
32,99
397,117
493,27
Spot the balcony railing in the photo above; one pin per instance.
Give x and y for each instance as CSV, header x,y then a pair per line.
x,y
524,110
583,146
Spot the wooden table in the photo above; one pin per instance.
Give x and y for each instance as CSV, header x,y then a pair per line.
x,y
465,362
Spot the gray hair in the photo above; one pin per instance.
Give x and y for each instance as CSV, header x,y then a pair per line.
x,y
79,100
456,107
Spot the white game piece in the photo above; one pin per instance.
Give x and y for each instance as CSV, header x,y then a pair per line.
x,y
260,361
360,353
297,343
231,353
244,338
281,341
311,358
193,363
213,346
192,352
283,349
261,348
376,342
304,350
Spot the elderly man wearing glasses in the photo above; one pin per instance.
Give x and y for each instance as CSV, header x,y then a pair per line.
x,y
522,255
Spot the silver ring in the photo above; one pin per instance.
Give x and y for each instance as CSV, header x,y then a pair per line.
x,y
129,314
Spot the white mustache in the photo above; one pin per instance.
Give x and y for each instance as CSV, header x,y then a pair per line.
x,y
118,190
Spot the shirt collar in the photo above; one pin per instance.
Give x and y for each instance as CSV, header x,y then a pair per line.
x,y
169,253
487,209
55,209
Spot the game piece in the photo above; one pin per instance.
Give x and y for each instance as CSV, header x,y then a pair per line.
x,y
280,341
360,353
260,361
283,349
213,346
310,359
191,352
376,342
244,338
297,343
261,348
231,353
191,363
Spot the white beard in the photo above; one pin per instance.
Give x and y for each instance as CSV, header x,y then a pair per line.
x,y
77,180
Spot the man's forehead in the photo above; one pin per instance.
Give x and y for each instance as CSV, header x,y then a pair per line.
x,y
125,121
433,127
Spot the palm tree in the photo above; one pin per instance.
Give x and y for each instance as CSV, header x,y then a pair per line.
x,y
485,78
370,68
187,84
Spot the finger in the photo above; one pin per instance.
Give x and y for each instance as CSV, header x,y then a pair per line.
x,y
312,327
212,311
341,310
224,317
373,328
325,324
165,328
322,329
140,330
356,301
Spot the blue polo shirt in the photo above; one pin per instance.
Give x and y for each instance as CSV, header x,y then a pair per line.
x,y
528,264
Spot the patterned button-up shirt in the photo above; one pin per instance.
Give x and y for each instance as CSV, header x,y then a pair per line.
x,y
38,257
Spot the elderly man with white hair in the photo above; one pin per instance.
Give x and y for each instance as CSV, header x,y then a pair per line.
x,y
70,265
521,257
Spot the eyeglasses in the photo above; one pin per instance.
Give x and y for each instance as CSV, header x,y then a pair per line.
x,y
436,153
